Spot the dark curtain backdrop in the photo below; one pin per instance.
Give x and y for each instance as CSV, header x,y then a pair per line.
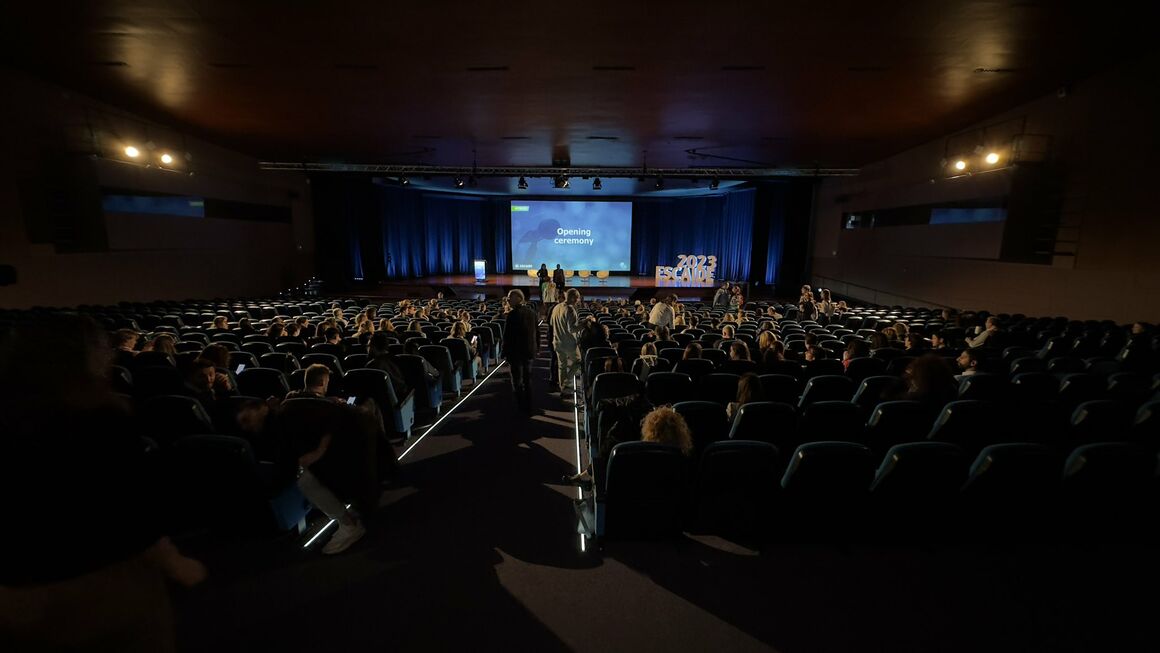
x,y
720,225
370,231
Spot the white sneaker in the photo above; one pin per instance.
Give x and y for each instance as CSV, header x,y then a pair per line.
x,y
344,537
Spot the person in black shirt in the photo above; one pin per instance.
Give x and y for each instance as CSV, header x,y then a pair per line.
x,y
381,359
521,342
558,279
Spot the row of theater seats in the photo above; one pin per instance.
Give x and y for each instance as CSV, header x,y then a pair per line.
x,y
920,492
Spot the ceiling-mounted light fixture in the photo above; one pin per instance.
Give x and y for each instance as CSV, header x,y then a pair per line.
x,y
132,152
562,182
596,185
992,158
523,184
660,184
403,180
459,182
714,183
166,158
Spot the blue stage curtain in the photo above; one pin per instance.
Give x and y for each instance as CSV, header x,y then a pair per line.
x,y
720,225
426,234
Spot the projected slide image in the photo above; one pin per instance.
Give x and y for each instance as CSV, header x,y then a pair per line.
x,y
575,235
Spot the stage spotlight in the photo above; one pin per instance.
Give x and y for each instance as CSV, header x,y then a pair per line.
x,y
660,182
960,165
459,182
132,152
992,158
596,185
563,182
167,158
714,183
404,180
523,184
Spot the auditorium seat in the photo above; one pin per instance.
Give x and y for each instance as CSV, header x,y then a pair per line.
x,y
216,483
1009,490
1034,386
663,388
297,348
282,361
486,348
735,487
461,354
763,420
860,368
158,380
897,366
1110,490
984,387
165,418
1101,420
1146,426
738,368
428,391
921,473
644,494
719,387
695,368
896,422
263,382
781,387
330,361
258,348
715,356
355,361
1074,389
706,420
121,379
826,420
1130,387
825,486
328,348
398,412
1027,364
791,368
826,388
1066,365
609,386
152,359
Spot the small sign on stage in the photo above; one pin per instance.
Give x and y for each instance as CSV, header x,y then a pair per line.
x,y
480,270
694,269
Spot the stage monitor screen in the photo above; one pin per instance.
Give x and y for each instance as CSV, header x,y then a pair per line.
x,y
575,235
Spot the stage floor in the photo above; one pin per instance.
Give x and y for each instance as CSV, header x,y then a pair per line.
x,y
465,285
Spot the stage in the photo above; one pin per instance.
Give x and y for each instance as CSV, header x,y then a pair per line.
x,y
466,287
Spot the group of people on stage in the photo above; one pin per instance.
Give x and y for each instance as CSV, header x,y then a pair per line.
x,y
551,284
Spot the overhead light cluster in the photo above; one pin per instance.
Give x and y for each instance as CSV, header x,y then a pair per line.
x,y
149,155
981,160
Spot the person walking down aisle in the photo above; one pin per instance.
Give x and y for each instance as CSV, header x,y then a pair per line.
x,y
521,342
565,340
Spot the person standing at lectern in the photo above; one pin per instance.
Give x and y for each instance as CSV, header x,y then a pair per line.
x,y
521,342
542,275
558,279
565,322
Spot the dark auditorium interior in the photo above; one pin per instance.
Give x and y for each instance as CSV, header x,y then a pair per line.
x,y
624,326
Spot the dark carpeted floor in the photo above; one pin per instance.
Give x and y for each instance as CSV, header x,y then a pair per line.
x,y
479,552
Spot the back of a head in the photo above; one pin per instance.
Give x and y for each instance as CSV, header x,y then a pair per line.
x,y
749,389
316,375
692,351
739,351
666,426
378,344
218,354
515,297
930,375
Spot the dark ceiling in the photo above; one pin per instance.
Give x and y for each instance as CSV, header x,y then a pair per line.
x,y
725,83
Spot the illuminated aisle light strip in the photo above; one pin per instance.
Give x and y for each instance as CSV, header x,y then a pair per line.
x,y
579,490
332,522
477,386
322,530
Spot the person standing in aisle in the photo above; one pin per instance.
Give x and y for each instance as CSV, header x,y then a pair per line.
x,y
521,342
565,323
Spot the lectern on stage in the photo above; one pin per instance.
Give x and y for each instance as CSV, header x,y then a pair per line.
x,y
480,270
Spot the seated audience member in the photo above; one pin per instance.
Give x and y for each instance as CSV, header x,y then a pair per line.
x,y
125,345
220,357
915,345
275,331
662,334
593,334
814,353
461,331
738,351
648,361
773,355
412,349
316,382
246,327
728,332
929,380
901,328
937,341
772,313
891,335
879,341
692,351
164,343
826,305
968,363
332,336
220,323
201,379
748,390
666,426
293,333
841,308
992,327
379,351
69,581
855,349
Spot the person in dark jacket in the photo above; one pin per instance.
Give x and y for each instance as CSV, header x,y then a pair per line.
x,y
521,342
558,279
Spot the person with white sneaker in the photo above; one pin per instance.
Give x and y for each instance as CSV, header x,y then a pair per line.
x,y
350,527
